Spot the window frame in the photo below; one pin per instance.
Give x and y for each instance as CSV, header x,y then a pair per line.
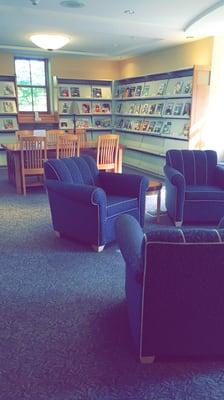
x,y
46,86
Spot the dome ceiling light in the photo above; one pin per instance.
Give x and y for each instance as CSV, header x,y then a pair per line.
x,y
49,41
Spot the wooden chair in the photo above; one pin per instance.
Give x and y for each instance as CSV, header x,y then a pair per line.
x,y
52,136
82,137
23,133
67,146
107,152
33,154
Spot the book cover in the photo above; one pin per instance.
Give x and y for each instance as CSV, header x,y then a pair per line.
x,y
138,90
137,125
144,108
187,89
82,123
64,91
131,109
137,108
161,89
151,109
75,92
187,110
167,128
178,109
96,108
178,87
120,123
145,125
97,92
8,123
106,108
126,92
65,107
168,110
9,107
118,108
186,129
158,127
85,108
159,108
151,126
146,91
131,91
7,89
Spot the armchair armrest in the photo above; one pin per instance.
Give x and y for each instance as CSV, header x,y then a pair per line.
x,y
219,176
130,238
175,177
82,193
123,184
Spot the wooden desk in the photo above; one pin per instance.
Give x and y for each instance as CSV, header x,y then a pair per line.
x,y
13,156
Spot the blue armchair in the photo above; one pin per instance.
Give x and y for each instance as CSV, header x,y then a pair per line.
x,y
85,203
194,186
174,289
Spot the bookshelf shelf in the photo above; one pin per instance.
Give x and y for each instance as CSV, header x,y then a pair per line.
x,y
154,113
84,104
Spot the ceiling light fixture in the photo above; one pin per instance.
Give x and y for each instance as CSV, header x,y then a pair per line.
x,y
49,42
129,11
72,4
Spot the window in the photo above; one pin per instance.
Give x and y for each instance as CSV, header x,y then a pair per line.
x,y
32,84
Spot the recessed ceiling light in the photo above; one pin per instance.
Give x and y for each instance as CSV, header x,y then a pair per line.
x,y
129,11
72,4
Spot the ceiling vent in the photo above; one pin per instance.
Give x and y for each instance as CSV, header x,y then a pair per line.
x,y
72,4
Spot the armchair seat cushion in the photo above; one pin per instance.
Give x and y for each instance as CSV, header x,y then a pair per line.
x,y
204,192
120,204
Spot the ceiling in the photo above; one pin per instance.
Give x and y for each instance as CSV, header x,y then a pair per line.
x,y
102,28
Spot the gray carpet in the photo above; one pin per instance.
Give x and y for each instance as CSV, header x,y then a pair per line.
x,y
63,330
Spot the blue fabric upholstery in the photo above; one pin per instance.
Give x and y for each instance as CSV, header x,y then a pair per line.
x,y
194,186
85,202
174,288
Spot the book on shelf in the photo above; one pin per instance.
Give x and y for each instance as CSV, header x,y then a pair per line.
x,y
151,109
66,123
138,90
145,124
117,91
159,109
158,127
187,110
131,92
151,126
126,91
120,123
82,123
178,87
186,129
7,89
65,107
131,108
178,108
137,125
8,106
75,91
96,92
118,108
167,128
137,108
102,122
168,109
161,89
64,91
146,90
187,87
10,124
144,108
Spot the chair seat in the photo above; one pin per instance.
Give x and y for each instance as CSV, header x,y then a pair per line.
x,y
119,204
204,192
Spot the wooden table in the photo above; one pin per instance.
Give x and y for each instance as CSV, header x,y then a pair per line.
x,y
155,188
13,156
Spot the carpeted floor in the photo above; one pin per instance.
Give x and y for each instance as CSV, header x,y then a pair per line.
x,y
63,329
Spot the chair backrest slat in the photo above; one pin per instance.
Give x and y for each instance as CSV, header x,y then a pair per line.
x,y
67,146
107,151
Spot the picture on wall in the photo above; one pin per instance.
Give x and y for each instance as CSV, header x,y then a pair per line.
x,y
7,89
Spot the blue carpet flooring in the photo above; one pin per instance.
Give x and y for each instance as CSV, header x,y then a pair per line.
x,y
63,325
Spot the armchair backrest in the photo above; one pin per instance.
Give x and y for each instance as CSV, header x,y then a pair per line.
x,y
78,170
197,166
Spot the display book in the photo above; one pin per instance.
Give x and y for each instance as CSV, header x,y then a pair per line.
x,y
8,104
159,105
84,104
